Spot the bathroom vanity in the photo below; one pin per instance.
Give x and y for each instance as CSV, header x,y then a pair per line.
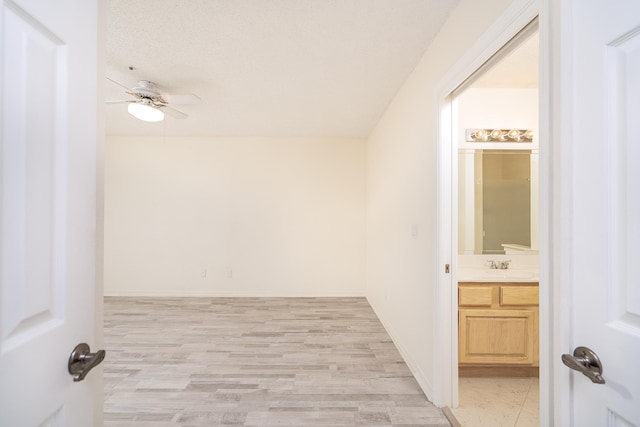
x,y
498,326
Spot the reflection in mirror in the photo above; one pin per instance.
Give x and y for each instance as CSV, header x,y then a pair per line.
x,y
495,116
497,213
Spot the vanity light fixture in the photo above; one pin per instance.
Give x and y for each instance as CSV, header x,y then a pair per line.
x,y
499,135
144,110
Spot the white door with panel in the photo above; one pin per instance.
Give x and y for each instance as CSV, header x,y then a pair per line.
x,y
48,97
601,200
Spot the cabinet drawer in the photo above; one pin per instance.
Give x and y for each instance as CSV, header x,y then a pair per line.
x,y
518,295
477,296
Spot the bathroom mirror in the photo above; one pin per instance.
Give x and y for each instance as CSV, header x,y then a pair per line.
x,y
497,201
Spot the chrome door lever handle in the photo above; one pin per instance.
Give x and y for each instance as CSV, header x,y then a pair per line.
x,y
586,361
81,361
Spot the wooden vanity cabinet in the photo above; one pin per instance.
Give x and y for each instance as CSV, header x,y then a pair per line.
x,y
498,323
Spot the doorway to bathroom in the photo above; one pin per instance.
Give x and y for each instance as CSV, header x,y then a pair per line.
x,y
495,158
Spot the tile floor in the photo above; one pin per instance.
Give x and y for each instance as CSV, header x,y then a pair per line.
x,y
255,362
498,402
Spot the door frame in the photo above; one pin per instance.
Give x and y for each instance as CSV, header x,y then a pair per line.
x,y
445,375
101,132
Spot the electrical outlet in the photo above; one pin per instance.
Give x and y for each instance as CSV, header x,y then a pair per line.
x,y
203,274
229,273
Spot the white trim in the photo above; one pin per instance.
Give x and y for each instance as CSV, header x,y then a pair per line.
x,y
516,17
559,67
175,293
98,337
445,349
546,220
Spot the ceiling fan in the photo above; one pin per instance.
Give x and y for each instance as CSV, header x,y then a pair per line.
x,y
150,105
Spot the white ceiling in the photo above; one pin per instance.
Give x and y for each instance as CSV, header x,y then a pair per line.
x,y
267,67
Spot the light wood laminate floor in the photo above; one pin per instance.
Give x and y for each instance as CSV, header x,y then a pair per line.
x,y
255,362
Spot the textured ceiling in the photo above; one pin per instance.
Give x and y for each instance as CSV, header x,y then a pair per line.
x,y
267,67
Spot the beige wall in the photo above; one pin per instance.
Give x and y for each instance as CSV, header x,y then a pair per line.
x,y
498,108
282,217
402,191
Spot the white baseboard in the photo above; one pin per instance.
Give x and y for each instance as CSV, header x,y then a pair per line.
x,y
415,369
225,294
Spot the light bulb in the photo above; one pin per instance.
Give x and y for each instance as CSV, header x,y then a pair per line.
x,y
145,111
481,135
514,134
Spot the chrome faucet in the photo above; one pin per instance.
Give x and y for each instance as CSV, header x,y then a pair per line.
x,y
502,265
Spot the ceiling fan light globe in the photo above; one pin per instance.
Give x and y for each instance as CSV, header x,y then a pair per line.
x,y
145,112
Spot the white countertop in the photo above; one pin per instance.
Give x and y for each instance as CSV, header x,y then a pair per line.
x,y
472,274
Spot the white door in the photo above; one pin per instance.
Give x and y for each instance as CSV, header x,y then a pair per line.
x,y
601,207
48,137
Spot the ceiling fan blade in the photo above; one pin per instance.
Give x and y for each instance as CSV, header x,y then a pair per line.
x,y
182,99
173,112
118,102
119,84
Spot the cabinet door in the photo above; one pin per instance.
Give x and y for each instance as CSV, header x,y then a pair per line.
x,y
497,336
